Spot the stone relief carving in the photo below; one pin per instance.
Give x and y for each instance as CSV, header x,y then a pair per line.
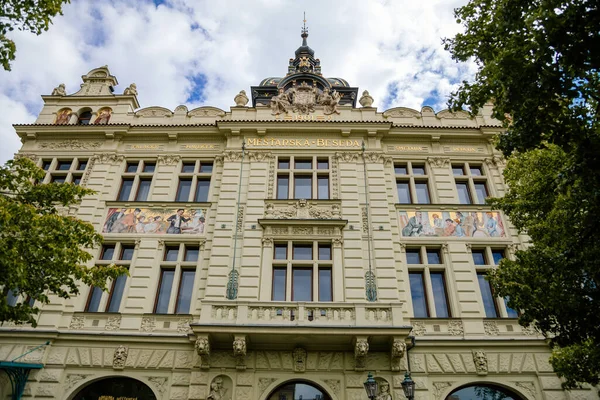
x,y
455,328
376,157
264,383
181,108
491,328
77,322
203,349
383,389
31,156
398,351
73,379
259,156
60,90
303,98
419,328
401,112
528,387
109,158
447,114
334,179
120,357
361,348
183,325
299,356
365,221
271,182
481,362
439,162
220,389
206,112
302,209
240,219
439,388
168,159
334,384
336,242
347,157
72,144
241,99
88,171
159,383
232,155
239,352
154,112
113,324
267,242
131,90
366,100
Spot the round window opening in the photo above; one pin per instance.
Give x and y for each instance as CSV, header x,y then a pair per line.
x,y
298,391
483,392
114,388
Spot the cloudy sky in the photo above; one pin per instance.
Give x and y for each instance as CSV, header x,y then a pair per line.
x,y
204,52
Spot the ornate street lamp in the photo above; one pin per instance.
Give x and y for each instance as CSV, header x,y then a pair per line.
x,y
408,385
371,387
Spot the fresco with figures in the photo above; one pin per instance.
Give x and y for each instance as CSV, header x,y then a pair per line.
x,y
155,221
451,223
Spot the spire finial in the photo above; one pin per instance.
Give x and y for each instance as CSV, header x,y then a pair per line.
x,y
304,34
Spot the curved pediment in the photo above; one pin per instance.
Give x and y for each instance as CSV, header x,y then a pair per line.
x,y
447,114
401,112
154,112
206,111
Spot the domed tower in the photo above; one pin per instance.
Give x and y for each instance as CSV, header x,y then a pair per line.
x,y
304,86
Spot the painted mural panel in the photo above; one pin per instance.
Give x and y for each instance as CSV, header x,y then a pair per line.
x,y
451,223
155,221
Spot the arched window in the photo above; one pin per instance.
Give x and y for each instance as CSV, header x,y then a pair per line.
x,y
84,118
482,391
116,388
298,391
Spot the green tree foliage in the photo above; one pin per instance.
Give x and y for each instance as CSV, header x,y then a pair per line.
x,y
25,15
42,252
540,63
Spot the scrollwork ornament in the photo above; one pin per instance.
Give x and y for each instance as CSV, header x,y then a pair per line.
x,y
31,156
419,328
455,328
267,242
259,156
439,387
438,162
337,242
169,159
347,157
109,158
491,328
232,155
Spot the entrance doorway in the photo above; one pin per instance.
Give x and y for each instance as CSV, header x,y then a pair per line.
x,y
298,390
115,387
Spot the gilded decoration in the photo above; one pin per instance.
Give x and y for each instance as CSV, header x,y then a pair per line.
x,y
303,98
451,224
70,144
302,209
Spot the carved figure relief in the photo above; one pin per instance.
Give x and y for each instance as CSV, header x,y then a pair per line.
x,y
203,349
330,102
481,363
398,351
218,391
120,357
303,209
280,104
59,90
239,352
299,355
383,390
361,348
131,90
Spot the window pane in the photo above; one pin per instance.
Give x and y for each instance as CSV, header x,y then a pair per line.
x,y
76,180
108,252
85,117
171,253
117,294
487,296
279,278
188,167
82,165
302,284
202,190
478,257
126,186
46,165
206,167
283,186
191,254
413,256
476,171
302,252
433,256
325,284
280,252
417,292
63,165
403,193
400,169
59,179
186,287
149,167
481,192
127,252
11,298
183,190
303,187
132,167
322,163
95,297
418,169
143,190
512,313
303,164
458,170
164,292
439,295
323,187
463,193
324,252
422,193
497,255
283,163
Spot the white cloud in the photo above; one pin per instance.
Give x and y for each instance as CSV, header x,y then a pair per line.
x,y
375,45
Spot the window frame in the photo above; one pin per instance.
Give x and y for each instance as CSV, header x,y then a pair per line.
x,y
195,177
70,175
138,176
316,173
471,180
412,179
426,269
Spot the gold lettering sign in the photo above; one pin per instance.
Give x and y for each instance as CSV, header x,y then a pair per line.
x,y
118,398
145,146
274,142
305,117
198,146
409,148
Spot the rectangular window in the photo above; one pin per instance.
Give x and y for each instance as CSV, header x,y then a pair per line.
x,y
440,297
64,165
126,186
413,256
59,179
481,192
184,190
120,254
302,284
497,256
143,190
171,253
61,171
149,167
194,181
136,181
417,291
164,291
279,282
94,300
510,312
478,257
202,190
410,189
303,178
191,254
458,170
471,183
433,256
11,298
489,304
463,193
188,168
307,269
116,294
184,297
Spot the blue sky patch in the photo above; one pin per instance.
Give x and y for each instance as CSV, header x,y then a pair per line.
x,y
196,93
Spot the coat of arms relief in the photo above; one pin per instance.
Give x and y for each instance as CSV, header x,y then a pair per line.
x,y
303,98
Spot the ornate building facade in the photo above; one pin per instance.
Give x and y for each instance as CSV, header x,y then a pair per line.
x,y
280,250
